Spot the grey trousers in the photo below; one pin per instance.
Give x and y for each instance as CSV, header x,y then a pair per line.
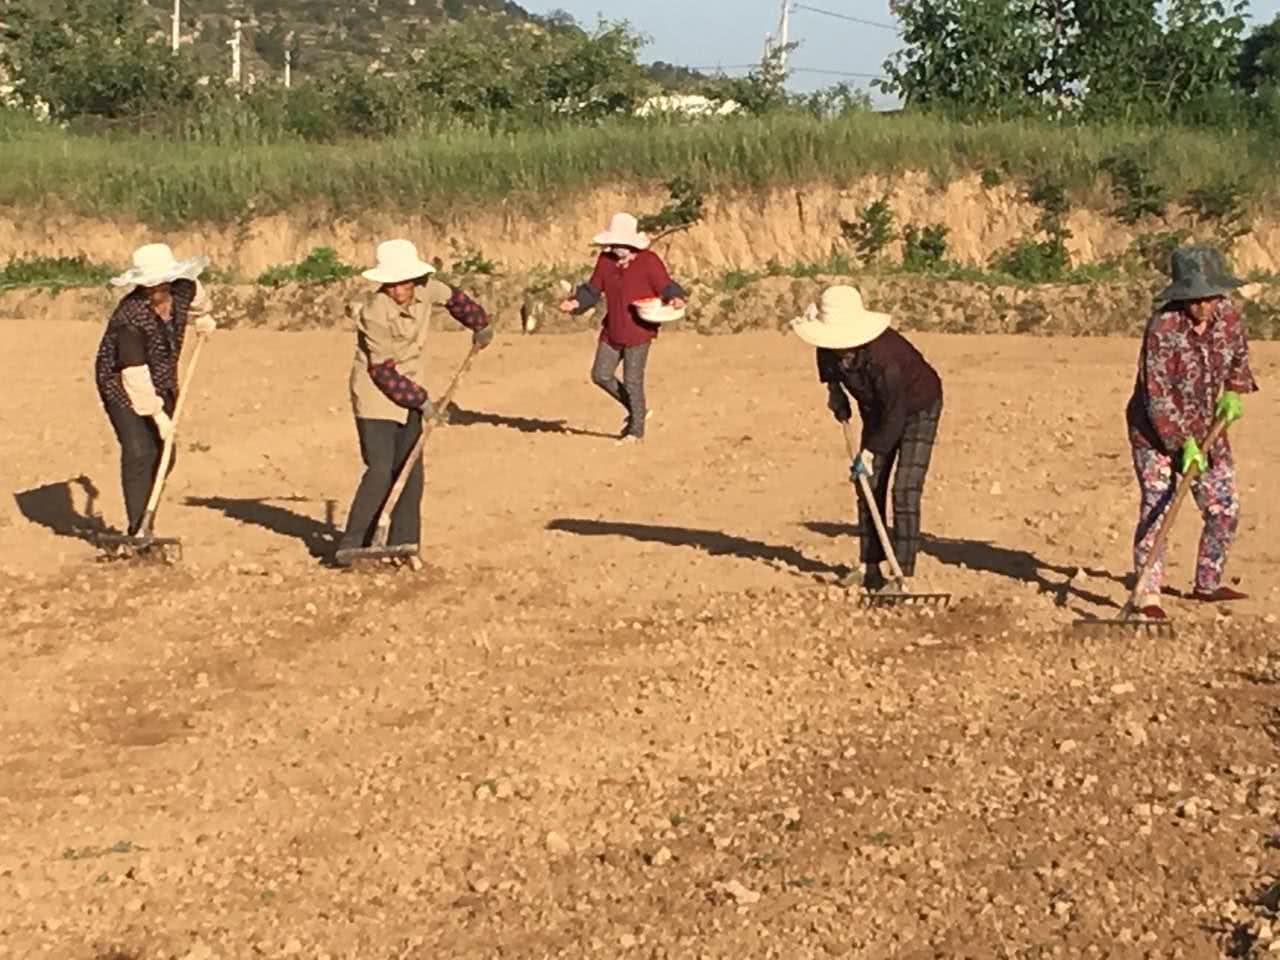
x,y
630,392
384,445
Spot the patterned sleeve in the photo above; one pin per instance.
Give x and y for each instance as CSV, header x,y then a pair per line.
x,y
466,311
1239,375
1167,384
372,339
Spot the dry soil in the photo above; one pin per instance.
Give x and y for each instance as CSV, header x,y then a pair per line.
x,y
623,710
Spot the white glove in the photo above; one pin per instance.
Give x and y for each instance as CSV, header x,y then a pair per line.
x,y
861,466
163,424
206,325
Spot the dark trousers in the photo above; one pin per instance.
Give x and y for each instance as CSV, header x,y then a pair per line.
x,y
384,446
630,392
140,449
911,458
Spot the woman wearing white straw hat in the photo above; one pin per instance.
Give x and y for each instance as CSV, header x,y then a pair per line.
x,y
639,294
136,370
387,397
899,397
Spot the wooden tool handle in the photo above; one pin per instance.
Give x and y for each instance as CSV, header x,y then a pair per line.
x,y
868,495
166,452
415,452
1171,513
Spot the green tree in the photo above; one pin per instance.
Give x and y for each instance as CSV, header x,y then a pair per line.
x,y
1259,66
93,57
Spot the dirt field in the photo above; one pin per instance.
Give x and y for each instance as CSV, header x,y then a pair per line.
x,y
623,711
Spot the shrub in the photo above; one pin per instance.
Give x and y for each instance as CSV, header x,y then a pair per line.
x,y
872,232
54,273
1132,187
924,249
321,265
1219,206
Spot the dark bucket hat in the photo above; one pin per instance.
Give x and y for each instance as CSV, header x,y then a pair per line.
x,y
1198,272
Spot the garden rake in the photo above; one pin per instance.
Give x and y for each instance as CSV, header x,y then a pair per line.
x,y
1129,618
898,594
378,549
145,544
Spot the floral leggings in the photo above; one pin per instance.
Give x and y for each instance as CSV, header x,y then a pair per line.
x,y
1215,495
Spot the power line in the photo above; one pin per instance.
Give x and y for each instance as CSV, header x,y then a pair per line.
x,y
845,16
839,73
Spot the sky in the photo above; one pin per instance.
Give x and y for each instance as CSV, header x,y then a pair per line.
x,y
730,33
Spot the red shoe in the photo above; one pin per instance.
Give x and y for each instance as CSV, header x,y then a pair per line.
x,y
1221,595
1152,612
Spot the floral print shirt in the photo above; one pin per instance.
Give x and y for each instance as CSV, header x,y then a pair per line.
x,y
1182,373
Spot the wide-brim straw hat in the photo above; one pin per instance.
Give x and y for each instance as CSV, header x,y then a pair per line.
x,y
840,321
1197,272
623,231
154,263
397,261
655,311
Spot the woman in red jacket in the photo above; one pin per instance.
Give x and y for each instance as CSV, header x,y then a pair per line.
x,y
627,273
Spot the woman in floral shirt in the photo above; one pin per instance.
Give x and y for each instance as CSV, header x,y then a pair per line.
x,y
1193,368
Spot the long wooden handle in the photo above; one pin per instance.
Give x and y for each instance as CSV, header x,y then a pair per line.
x,y
166,452
869,496
1171,513
415,453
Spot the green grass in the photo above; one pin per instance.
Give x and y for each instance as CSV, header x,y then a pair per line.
x,y
321,265
54,273
165,182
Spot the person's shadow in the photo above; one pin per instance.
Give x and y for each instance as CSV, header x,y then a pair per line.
x,y
987,557
713,542
317,536
53,506
460,417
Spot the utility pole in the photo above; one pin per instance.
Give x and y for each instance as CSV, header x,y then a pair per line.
x,y
288,69
234,43
177,20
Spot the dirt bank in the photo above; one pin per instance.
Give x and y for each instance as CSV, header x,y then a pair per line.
x,y
744,231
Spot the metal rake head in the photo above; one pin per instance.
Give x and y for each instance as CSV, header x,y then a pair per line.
x,y
892,599
123,547
1135,625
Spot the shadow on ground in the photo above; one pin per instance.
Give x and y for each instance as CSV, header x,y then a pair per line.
x,y
316,535
459,417
713,542
53,506
984,556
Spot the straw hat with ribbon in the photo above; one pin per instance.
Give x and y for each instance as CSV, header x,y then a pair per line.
x,y
154,263
398,261
623,231
1197,272
840,321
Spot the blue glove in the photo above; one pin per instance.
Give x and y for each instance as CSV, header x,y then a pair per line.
x,y
861,466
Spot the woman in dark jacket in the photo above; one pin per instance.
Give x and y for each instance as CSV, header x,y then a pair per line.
x,y
136,369
899,398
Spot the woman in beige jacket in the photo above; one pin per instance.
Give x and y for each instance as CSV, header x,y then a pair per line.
x,y
387,395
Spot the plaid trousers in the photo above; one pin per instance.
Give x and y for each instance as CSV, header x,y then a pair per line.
x,y
912,456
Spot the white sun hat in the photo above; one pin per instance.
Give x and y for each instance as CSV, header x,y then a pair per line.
x,y
623,231
398,261
653,310
840,322
154,263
